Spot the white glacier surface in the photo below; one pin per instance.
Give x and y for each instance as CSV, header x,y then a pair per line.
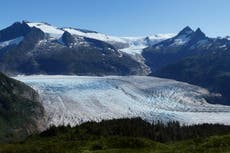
x,y
77,99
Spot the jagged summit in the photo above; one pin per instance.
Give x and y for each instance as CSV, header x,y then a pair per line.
x,y
200,33
187,30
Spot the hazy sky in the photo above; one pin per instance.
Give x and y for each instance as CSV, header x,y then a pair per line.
x,y
123,17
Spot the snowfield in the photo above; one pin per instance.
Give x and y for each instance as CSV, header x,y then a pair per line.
x,y
137,44
77,99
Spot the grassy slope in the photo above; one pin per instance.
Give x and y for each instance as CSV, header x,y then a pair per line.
x,y
118,144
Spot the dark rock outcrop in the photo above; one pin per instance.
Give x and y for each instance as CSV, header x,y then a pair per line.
x,y
21,113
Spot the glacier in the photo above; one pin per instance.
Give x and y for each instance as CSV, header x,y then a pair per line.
x,y
72,100
137,44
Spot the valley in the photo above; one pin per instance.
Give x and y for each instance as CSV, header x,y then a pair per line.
x,y
82,75
115,76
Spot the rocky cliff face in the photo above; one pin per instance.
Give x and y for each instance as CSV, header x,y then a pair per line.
x,y
21,112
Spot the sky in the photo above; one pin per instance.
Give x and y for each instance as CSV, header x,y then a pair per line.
x,y
123,17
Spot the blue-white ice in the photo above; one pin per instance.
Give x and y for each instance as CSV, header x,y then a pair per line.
x,y
76,99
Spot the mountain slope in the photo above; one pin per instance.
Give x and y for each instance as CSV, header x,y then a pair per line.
x,y
185,43
210,70
16,30
21,112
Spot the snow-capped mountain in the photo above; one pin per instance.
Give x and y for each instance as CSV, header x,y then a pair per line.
x,y
56,32
76,99
186,43
31,48
38,47
186,37
130,45
193,57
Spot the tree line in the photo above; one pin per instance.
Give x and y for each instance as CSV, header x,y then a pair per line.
x,y
136,127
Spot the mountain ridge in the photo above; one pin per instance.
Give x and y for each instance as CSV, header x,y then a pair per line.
x,y
100,57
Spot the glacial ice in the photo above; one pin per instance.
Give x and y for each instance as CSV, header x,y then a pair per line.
x,y
76,99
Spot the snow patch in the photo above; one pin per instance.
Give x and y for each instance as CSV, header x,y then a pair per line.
x,y
181,40
15,41
222,46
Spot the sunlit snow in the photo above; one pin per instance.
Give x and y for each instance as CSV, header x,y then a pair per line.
x,y
49,29
137,44
94,35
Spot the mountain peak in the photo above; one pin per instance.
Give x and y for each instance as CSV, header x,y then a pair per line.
x,y
187,30
199,33
198,30
25,21
15,30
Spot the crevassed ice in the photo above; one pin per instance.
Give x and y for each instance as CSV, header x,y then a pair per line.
x,y
77,99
